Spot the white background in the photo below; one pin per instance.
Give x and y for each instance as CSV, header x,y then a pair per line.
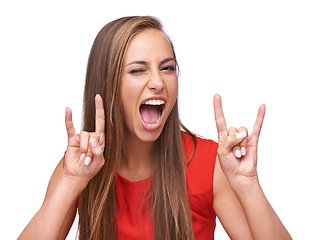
x,y
251,52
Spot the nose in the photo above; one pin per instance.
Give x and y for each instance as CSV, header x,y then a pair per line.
x,y
155,82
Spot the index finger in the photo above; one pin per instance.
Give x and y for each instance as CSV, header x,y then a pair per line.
x,y
99,115
219,116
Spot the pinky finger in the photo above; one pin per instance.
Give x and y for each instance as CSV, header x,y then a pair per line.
x,y
259,121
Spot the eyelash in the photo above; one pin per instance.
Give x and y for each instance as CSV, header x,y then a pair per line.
x,y
169,68
166,68
137,71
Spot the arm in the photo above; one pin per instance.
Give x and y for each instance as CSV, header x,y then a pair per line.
x,y
56,215
237,155
73,210
83,159
228,208
262,220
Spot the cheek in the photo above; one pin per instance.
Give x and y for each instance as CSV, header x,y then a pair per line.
x,y
172,88
129,95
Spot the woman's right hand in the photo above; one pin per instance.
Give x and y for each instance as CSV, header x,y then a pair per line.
x,y
84,155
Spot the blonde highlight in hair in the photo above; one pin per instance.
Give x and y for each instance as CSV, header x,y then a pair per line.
x,y
97,204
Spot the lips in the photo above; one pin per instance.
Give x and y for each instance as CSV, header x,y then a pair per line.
x,y
151,112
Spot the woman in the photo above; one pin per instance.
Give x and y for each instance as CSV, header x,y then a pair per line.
x,y
132,174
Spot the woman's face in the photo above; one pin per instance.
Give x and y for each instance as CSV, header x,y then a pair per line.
x,y
149,84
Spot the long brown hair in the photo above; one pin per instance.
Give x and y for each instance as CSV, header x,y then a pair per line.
x,y
169,200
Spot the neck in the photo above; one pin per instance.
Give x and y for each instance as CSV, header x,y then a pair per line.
x,y
137,164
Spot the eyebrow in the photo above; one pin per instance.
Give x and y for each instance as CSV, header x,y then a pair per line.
x,y
146,63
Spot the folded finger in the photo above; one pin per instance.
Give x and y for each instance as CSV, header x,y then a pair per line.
x,y
236,149
243,144
96,151
84,142
85,153
88,156
87,160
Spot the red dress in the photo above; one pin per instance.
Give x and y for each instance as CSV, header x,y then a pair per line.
x,y
134,221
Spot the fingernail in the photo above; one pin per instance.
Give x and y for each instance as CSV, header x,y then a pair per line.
x,y
243,151
237,153
240,135
82,157
87,161
93,143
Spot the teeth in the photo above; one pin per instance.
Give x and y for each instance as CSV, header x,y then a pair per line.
x,y
154,102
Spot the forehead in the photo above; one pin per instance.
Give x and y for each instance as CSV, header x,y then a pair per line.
x,y
150,44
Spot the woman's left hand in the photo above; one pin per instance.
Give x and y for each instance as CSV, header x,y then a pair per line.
x,y
237,151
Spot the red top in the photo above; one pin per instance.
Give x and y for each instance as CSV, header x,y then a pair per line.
x,y
134,221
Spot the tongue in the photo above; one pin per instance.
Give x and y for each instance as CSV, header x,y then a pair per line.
x,y
150,114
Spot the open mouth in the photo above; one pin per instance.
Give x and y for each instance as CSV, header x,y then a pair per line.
x,y
151,111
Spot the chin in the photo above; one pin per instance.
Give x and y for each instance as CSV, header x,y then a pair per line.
x,y
150,136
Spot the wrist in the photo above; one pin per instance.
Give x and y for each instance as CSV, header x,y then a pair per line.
x,y
243,185
73,186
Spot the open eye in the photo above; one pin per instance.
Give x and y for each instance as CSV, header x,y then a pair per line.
x,y
169,68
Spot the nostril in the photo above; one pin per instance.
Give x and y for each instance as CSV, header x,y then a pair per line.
x,y
156,85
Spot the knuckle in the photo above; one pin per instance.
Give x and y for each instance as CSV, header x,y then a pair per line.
x,y
95,147
243,129
232,130
94,136
83,134
97,152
